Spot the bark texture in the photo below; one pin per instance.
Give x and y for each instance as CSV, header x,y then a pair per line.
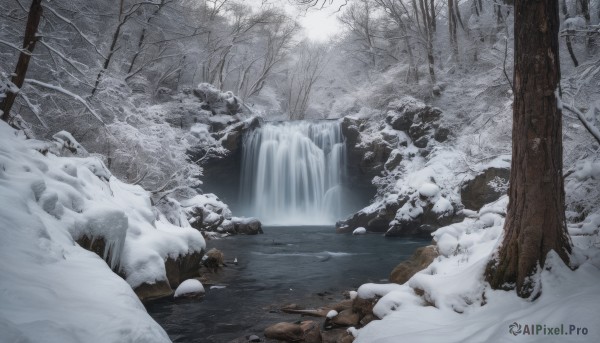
x,y
535,222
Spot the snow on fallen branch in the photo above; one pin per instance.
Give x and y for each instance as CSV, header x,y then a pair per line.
x,y
67,93
586,123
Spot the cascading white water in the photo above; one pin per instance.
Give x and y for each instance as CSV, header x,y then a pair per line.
x,y
292,173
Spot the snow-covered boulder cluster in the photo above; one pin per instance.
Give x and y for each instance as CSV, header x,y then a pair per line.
x,y
209,215
422,182
415,181
216,101
53,208
450,293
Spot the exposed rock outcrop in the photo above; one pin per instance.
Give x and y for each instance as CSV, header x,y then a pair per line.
x,y
477,192
182,268
380,152
216,101
419,261
148,292
284,332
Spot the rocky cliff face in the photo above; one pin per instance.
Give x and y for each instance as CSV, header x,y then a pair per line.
x,y
414,171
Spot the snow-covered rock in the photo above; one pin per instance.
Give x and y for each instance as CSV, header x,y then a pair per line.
x,y
191,287
359,231
449,301
47,279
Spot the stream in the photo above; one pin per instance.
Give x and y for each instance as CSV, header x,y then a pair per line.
x,y
307,265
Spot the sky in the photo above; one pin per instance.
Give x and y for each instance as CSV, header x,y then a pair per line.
x,y
320,24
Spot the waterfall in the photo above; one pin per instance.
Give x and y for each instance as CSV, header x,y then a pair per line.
x,y
292,173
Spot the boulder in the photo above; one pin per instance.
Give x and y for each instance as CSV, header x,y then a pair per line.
x,y
441,134
310,332
367,319
419,261
334,335
359,231
247,226
342,305
247,339
363,307
147,292
191,288
95,245
477,192
400,121
216,101
429,114
183,267
213,260
284,331
346,318
421,142
409,227
393,161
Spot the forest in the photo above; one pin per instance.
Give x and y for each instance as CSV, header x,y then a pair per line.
x,y
299,170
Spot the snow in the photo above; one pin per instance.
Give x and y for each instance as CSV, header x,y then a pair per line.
x,y
332,314
429,190
67,93
359,231
191,286
443,205
52,289
458,306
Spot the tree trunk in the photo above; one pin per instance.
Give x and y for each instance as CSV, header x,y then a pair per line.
x,y
584,6
475,8
535,222
142,39
429,38
570,49
452,30
33,21
433,19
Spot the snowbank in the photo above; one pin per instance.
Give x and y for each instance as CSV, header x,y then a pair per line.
x,y
52,289
450,302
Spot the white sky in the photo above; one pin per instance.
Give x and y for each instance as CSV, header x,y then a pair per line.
x,y
320,24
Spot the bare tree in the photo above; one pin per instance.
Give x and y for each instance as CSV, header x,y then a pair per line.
x,y
358,18
277,34
124,17
302,78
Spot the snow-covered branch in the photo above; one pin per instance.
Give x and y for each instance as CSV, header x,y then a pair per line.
x,y
15,47
586,123
67,93
70,23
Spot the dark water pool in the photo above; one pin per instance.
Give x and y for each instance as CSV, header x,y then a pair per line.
x,y
309,266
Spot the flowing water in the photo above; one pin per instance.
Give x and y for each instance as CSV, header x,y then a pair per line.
x,y
293,173
309,266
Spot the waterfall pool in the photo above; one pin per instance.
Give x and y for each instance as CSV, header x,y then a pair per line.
x,y
306,265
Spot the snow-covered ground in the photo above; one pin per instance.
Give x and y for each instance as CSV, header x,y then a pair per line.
x,y
450,302
51,289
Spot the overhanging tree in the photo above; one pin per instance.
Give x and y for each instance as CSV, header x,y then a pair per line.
x,y
535,222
